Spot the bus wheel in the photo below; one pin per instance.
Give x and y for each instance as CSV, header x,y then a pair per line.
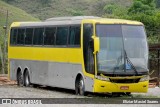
x,y
19,79
80,87
26,79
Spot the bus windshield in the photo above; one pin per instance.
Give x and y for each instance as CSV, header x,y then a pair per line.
x,y
118,42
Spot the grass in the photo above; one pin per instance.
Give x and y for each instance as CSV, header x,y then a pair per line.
x,y
54,8
14,14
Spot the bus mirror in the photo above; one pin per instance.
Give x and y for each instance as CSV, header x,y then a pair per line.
x,y
96,45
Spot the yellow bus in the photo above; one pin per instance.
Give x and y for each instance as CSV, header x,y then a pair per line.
x,y
82,53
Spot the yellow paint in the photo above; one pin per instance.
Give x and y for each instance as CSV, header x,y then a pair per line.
x,y
104,86
112,21
9,53
68,55
96,44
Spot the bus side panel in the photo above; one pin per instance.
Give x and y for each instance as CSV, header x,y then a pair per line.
x,y
39,72
13,70
88,84
63,74
56,74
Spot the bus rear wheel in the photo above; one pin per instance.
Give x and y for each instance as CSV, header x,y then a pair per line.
x,y
80,89
19,79
26,79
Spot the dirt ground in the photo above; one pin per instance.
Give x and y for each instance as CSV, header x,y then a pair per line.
x,y
5,81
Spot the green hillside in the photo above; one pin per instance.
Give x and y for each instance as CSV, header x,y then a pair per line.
x,y
15,14
44,9
146,11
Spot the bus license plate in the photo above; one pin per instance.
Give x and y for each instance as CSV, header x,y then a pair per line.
x,y
124,87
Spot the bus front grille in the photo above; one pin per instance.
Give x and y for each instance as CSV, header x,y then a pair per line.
x,y
125,80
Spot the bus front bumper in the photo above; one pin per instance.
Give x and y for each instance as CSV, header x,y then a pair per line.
x,y
108,87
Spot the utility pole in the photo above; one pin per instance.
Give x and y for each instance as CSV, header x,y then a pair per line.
x,y
5,41
1,55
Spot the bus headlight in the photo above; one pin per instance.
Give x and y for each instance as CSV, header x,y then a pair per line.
x,y
144,78
102,78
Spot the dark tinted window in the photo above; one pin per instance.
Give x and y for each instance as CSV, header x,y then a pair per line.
x,y
13,36
88,48
74,37
38,36
49,36
28,37
61,36
20,38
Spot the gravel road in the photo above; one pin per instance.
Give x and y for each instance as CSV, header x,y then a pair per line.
x,y
9,89
13,91
152,92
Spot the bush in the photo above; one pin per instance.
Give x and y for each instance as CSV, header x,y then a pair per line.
x,y
75,12
109,9
145,12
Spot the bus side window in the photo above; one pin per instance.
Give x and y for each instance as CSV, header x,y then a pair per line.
x,y
49,37
28,37
87,48
13,36
20,38
61,36
38,36
74,36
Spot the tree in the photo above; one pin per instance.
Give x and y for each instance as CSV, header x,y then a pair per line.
x,y
75,12
45,2
143,6
109,8
145,11
7,0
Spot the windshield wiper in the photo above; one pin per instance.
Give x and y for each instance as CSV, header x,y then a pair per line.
x,y
128,60
119,59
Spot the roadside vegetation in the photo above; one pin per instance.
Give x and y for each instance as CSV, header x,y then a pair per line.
x,y
146,11
44,9
14,14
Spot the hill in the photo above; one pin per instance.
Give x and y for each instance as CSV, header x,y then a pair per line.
x,y
14,14
44,9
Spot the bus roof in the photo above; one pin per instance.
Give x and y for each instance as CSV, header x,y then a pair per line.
x,y
74,21
72,18
115,21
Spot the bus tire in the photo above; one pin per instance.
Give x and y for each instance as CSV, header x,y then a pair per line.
x,y
80,88
128,93
19,79
27,79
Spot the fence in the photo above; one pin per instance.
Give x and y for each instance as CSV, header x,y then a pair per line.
x,y
154,61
